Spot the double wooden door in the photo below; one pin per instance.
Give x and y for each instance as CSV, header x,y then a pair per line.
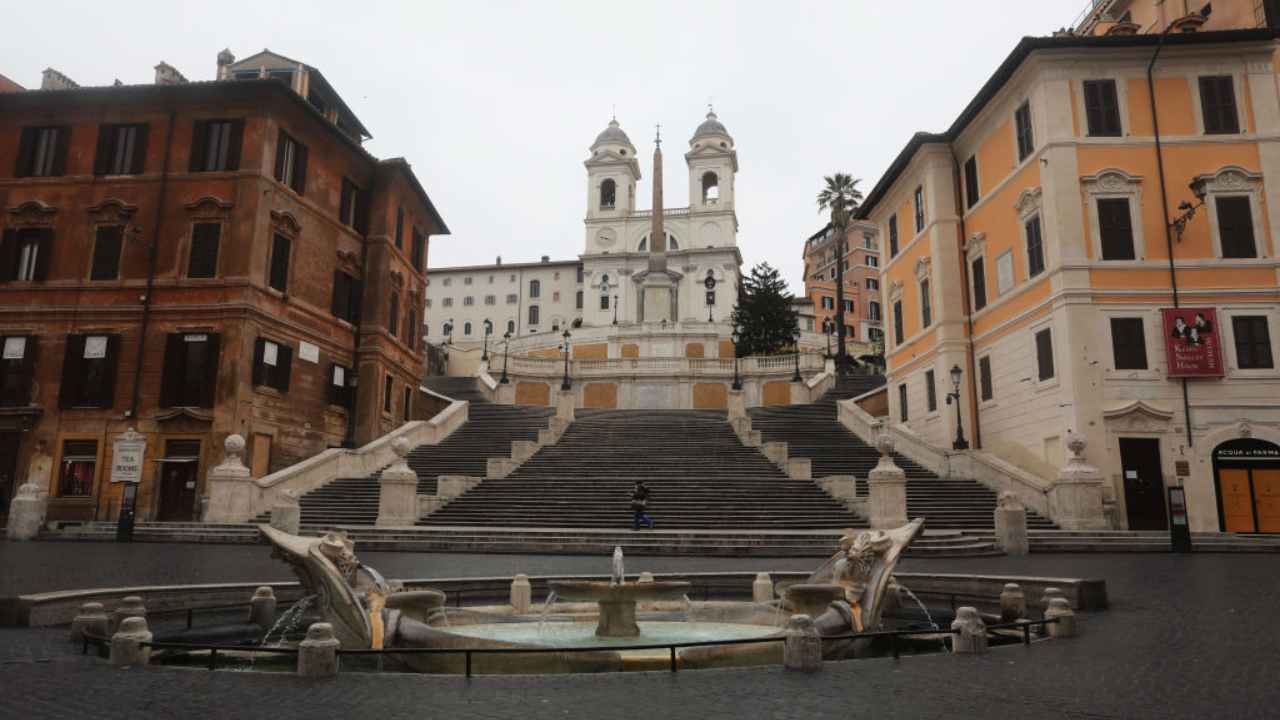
x,y
1250,498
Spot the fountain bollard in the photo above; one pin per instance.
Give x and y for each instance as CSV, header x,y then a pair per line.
x,y
802,649
1059,609
91,619
262,607
762,588
970,632
1049,594
286,514
126,643
1013,603
130,606
318,653
521,594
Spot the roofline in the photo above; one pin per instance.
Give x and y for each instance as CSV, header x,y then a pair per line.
x,y
1025,47
401,164
503,266
311,68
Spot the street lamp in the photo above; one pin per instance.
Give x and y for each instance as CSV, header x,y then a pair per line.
x,y
795,336
1179,224
615,309
448,340
565,385
710,285
506,349
826,330
960,443
734,338
488,330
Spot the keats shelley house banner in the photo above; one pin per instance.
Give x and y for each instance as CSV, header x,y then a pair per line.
x,y
1192,343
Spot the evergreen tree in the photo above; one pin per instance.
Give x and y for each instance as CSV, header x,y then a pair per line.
x,y
764,317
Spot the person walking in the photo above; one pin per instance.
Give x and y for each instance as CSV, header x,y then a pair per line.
x,y
639,506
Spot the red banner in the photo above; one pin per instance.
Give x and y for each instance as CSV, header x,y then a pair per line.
x,y
1192,342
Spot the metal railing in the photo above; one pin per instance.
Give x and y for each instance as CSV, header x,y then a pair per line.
x,y
584,368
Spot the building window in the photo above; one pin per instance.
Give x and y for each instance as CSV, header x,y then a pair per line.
x,y
903,415
107,244
42,152
848,306
1253,342
1218,105
873,284
608,194
1022,123
931,392
579,275
1004,272
897,322
828,303
466,280
1129,343
79,467
971,181
448,282
291,162
347,208
511,326
411,328
490,279
339,388
272,362
418,253
203,262
926,305
578,300
468,301
399,228
1102,108
215,145
428,302
893,236
190,374
466,328
490,299
1035,247
873,310
555,296
535,288
984,378
279,278
393,314
1115,226
533,315
17,369
512,299
388,387
25,253
1235,226
89,371
604,302
979,274
919,209
1044,354
872,261
122,150
448,302
405,408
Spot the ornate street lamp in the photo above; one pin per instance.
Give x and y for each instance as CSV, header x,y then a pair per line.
x,y
488,330
960,443
565,347
710,285
506,350
795,336
735,338
1179,224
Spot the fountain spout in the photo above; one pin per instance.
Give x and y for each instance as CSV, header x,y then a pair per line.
x,y
619,576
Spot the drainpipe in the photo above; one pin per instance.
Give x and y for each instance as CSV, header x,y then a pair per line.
x,y
152,250
1164,204
975,423
349,440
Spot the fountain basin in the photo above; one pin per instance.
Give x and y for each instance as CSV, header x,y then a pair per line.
x,y
617,601
813,599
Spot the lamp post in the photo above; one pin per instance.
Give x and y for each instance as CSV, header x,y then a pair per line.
x,y
615,309
565,385
488,330
448,340
826,330
795,336
1179,224
506,351
960,443
734,338
710,285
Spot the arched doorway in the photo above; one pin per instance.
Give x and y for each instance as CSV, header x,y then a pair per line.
x,y
1246,474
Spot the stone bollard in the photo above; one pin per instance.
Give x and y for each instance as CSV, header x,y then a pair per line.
x,y
799,468
126,643
230,486
1013,603
762,588
262,607
91,619
398,490
970,632
887,489
1059,609
130,606
26,513
1011,525
286,514
645,577
1049,594
521,594
318,653
802,649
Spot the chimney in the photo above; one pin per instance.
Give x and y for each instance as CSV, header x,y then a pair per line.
x,y
499,262
225,60
167,74
54,80
546,258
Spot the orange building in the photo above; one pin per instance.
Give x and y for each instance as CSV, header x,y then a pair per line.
x,y
861,268
1092,245
1128,17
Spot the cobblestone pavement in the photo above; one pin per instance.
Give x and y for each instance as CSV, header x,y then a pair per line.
x,y
1186,636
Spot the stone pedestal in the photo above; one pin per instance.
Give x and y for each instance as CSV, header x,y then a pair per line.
x,y
522,450
1011,525
498,468
802,649
565,405
130,606
1051,594
452,486
26,513
754,438
840,487
762,588
887,489
262,607
318,653
970,632
800,468
505,394
741,427
1013,603
776,452
286,514
91,619
737,405
521,594
428,504
1076,496
126,648
230,485
1059,609
398,490
657,298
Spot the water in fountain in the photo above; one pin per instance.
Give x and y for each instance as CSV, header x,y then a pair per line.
x,y
289,619
619,577
546,610
929,618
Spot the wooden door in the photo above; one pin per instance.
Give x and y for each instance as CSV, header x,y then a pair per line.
x,y
1266,493
8,468
1143,484
1237,500
177,491
261,457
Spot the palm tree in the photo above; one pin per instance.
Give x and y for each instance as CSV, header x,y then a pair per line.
x,y
841,196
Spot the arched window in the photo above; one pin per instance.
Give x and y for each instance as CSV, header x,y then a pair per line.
x,y
488,327
644,244
710,188
466,328
511,326
535,288
608,194
671,243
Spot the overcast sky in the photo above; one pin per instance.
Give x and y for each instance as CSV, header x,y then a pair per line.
x,y
495,104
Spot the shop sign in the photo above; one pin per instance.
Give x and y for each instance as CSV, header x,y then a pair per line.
x,y
1247,449
1192,343
127,454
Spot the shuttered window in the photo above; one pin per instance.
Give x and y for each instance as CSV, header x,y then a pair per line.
x,y
1129,343
1115,225
979,284
291,162
1235,227
984,378
931,392
272,363
1035,248
418,253
122,150
215,145
897,323
1102,108
17,368
1044,354
25,254
388,387
411,329
399,227
107,244
926,305
42,152
1218,105
339,387
1253,342
919,209
205,238
89,371
279,277
346,297
534,315
347,207
393,314
971,181
893,236
190,376
903,415
1022,123
405,403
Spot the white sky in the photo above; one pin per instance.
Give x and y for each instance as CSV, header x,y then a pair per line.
x,y
496,103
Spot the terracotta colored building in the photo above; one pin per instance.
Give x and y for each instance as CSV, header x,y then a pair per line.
x,y
862,311
193,260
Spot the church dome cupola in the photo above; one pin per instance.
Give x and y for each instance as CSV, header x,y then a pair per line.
x,y
615,139
712,132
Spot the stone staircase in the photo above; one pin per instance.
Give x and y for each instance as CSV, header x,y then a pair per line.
x,y
488,432
814,431
699,474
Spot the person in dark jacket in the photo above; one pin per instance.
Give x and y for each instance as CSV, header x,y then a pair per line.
x,y
639,506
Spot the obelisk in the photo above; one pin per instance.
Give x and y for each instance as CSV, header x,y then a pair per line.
x,y
657,281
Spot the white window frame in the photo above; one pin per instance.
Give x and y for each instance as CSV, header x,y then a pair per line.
x,y
1197,105
1153,340
976,249
1122,101
977,368
1227,332
1113,183
1235,181
1051,382
1030,205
